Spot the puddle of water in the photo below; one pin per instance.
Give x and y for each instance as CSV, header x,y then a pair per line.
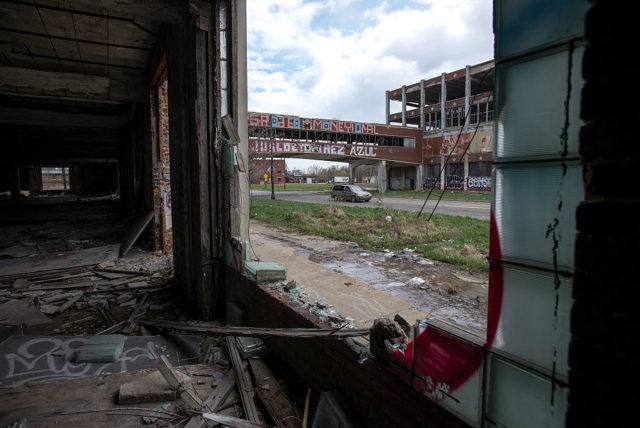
x,y
454,295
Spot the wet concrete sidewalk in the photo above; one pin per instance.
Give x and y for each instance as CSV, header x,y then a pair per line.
x,y
364,285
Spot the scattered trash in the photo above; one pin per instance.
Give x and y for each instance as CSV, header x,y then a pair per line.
x,y
396,284
251,346
290,285
385,337
416,281
388,218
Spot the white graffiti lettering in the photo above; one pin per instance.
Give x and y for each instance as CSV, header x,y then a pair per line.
x,y
436,391
479,182
26,366
261,146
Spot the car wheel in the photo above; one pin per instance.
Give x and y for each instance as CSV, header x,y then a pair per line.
x,y
353,198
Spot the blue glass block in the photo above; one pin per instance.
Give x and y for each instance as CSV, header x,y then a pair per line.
x,y
527,24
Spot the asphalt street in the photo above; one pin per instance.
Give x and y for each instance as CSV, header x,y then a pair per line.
x,y
473,209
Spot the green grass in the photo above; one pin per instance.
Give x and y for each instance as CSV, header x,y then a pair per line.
x,y
461,241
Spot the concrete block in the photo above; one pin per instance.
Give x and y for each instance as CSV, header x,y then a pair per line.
x,y
106,348
265,271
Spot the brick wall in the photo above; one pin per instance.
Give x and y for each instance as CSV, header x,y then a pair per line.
x,y
375,394
163,234
604,325
260,167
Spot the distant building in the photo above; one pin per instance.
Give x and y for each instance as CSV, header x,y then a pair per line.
x,y
260,167
455,112
301,178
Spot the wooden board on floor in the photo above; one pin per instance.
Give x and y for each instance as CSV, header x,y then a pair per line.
x,y
65,260
134,232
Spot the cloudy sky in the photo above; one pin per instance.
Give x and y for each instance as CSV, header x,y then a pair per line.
x,y
335,58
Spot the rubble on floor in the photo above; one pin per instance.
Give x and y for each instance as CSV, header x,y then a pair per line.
x,y
325,312
232,383
101,334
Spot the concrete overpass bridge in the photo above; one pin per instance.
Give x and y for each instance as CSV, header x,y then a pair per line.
x,y
395,150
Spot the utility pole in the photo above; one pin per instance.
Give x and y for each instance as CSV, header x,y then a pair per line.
x,y
273,193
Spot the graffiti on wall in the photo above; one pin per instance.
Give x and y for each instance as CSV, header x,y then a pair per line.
x,y
481,143
479,182
265,146
453,182
294,122
167,210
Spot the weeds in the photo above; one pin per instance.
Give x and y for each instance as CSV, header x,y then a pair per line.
x,y
461,241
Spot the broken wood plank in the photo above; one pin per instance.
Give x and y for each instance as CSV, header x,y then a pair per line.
x,y
57,297
176,381
155,288
63,287
170,375
69,303
302,333
61,278
243,379
213,403
121,271
277,403
231,421
138,226
305,417
131,321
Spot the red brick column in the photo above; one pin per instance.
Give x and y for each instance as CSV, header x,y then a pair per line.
x,y
163,235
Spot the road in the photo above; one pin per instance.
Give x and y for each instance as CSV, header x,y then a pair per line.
x,y
473,209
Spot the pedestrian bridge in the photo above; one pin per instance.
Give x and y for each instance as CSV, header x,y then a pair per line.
x,y
332,140
395,150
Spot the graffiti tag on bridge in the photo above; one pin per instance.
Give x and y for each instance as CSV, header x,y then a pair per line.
x,y
265,146
295,122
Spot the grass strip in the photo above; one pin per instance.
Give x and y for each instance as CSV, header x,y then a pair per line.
x,y
461,241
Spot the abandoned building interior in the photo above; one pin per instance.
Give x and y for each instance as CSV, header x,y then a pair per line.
x,y
128,283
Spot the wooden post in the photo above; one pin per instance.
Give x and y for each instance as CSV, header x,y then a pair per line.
x,y
195,146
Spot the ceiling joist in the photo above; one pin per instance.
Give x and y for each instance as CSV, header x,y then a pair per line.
x,y
33,117
15,80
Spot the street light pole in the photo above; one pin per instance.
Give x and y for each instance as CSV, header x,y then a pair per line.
x,y
273,193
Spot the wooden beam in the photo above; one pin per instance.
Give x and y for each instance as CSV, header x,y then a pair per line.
x,y
17,79
272,395
243,380
171,11
299,333
25,116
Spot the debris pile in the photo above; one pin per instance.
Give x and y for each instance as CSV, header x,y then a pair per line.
x,y
108,298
